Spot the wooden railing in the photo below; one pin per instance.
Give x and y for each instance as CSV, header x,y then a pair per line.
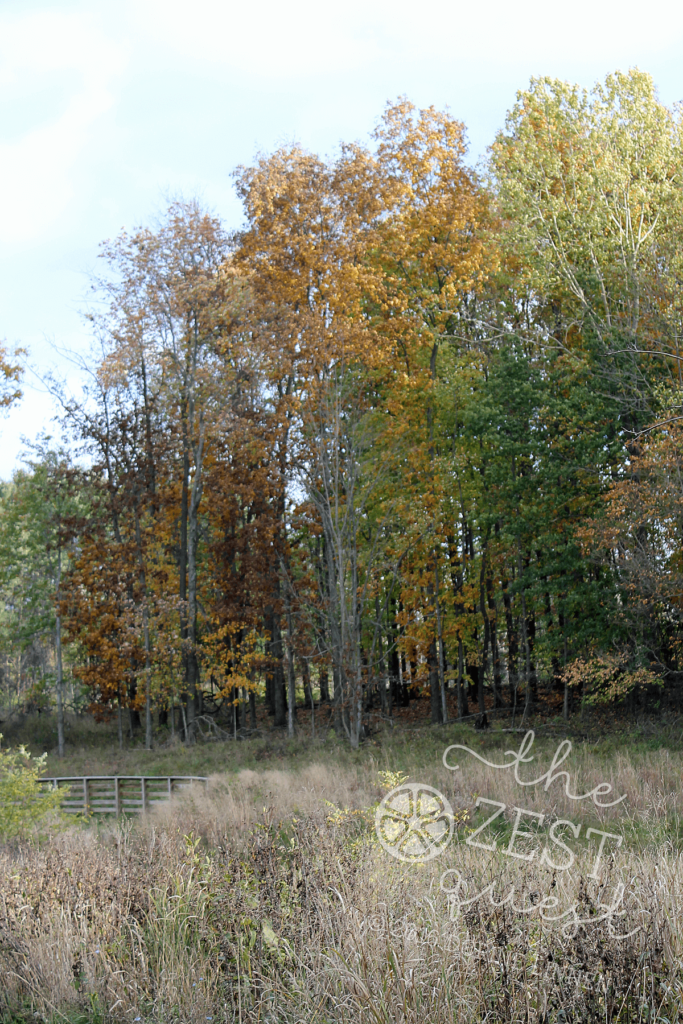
x,y
118,794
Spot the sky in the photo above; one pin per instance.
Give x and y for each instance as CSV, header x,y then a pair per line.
x,y
108,108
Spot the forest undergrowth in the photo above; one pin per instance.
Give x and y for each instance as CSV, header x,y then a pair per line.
x,y
270,899
92,748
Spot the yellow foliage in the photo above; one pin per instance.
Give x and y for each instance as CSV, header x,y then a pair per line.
x,y
606,678
231,655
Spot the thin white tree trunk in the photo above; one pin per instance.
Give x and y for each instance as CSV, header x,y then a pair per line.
x,y
439,649
120,719
148,681
192,538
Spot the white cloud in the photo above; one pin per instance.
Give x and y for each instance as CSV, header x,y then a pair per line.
x,y
268,39
38,168
273,39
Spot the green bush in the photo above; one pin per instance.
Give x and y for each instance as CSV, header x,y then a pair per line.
x,y
24,803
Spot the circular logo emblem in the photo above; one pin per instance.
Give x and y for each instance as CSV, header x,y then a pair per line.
x,y
414,822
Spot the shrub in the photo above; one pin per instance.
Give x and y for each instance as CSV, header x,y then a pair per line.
x,y
24,803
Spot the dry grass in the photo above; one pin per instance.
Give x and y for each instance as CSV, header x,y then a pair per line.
x,y
259,903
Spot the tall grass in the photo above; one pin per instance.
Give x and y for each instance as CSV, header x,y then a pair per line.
x,y
268,899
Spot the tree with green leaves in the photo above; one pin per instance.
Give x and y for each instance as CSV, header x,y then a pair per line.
x,y
36,543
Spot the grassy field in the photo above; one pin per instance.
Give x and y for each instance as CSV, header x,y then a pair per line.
x,y
270,899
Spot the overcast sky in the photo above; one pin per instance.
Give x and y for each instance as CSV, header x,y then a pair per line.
x,y
106,106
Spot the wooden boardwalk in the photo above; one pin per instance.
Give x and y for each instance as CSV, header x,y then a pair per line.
x,y
119,794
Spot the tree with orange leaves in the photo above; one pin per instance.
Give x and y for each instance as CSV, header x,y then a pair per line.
x,y
171,364
358,268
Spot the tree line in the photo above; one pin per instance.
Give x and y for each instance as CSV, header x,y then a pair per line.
x,y
414,429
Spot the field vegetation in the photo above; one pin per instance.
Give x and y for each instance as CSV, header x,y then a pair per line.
x,y
269,897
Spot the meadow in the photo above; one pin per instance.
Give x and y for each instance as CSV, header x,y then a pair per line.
x,y
268,898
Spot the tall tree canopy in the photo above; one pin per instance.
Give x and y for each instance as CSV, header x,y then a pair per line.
x,y
412,431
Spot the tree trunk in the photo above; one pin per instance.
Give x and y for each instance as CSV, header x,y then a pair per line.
x,y
145,632
58,657
192,541
531,637
495,651
565,699
382,682
463,705
268,621
324,684
291,679
308,691
439,644
306,680
486,624
120,720
148,690
337,723
182,579
512,645
395,674
434,688
279,701
525,641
